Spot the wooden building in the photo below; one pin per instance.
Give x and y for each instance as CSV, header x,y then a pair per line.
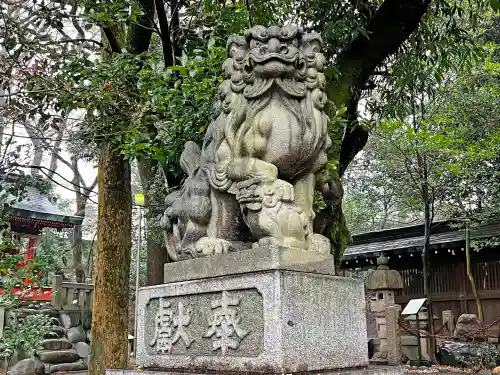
x,y
28,217
449,284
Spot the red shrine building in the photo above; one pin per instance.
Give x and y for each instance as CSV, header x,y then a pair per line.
x,y
28,218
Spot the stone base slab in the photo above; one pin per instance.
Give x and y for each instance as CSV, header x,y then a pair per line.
x,y
275,321
247,261
372,370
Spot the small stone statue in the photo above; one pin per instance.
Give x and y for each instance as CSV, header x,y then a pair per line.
x,y
252,182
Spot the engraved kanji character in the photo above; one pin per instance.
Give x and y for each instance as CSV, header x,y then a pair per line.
x,y
225,324
170,327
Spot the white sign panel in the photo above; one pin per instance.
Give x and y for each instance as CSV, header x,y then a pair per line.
x,y
414,306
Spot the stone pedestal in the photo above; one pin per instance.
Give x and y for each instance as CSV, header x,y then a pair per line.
x,y
375,370
264,311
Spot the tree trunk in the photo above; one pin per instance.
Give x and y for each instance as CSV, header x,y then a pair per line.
x,y
469,272
55,152
109,345
37,155
81,203
153,200
426,267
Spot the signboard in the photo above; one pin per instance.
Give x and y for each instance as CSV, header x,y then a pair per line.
x,y
139,199
414,306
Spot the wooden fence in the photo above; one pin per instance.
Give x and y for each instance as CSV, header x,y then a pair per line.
x,y
65,296
70,296
451,289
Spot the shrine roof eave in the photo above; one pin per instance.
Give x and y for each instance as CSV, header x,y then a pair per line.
x,y
33,206
363,248
45,219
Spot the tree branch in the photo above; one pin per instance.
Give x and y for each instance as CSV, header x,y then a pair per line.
x,y
166,43
113,42
92,185
140,32
175,6
389,28
74,20
55,152
76,40
43,169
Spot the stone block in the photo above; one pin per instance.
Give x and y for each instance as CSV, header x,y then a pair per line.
x,y
58,356
56,344
372,370
273,321
252,260
28,366
67,367
393,338
83,349
76,334
65,320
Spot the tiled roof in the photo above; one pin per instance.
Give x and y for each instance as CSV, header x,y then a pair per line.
x,y
372,243
37,206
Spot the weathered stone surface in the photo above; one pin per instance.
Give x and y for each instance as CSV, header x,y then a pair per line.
x,y
393,335
76,334
250,260
253,182
58,356
29,366
469,354
469,328
65,320
384,278
375,370
83,349
283,322
76,318
448,319
63,367
56,344
56,331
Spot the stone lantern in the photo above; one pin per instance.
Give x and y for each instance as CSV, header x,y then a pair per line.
x,y
384,282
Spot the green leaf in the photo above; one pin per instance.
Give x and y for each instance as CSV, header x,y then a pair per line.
x,y
184,59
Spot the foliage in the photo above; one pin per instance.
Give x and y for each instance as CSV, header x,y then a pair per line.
x,y
24,335
446,44
16,272
68,75
471,120
445,131
479,356
54,250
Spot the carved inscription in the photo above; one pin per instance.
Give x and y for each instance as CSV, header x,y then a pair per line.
x,y
225,323
171,326
219,323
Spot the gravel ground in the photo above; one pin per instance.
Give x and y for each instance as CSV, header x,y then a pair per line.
x,y
444,370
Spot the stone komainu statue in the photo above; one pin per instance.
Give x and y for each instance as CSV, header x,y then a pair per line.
x,y
252,182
